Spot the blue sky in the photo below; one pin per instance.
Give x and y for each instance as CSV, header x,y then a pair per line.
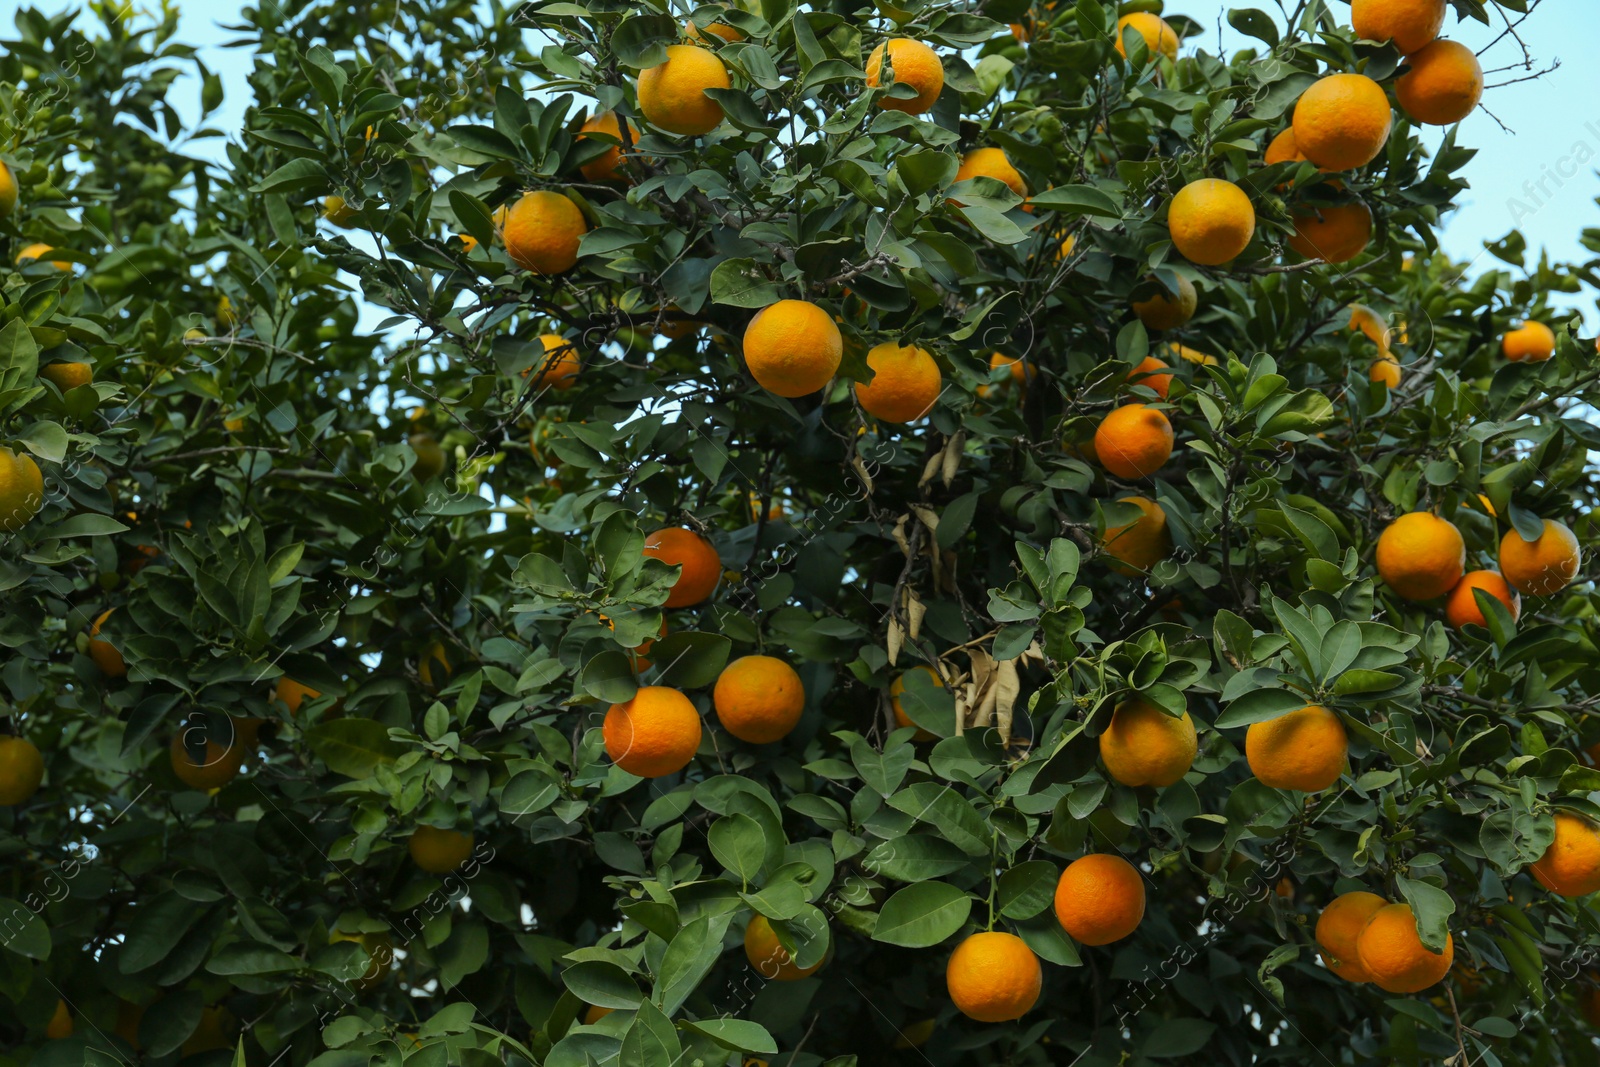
x,y
1537,174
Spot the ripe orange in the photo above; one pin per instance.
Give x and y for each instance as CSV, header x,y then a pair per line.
x,y
792,348
993,977
1333,233
34,253
672,94
768,956
1462,607
60,1024
1149,373
1133,441
1542,567
1374,325
716,29
1342,121
654,734
1143,745
905,383
1394,956
897,687
991,163
702,567
1283,149
758,699
1021,372
67,375
1099,899
1337,929
1385,369
105,656
1141,544
1192,355
21,489
1159,37
559,368
1163,311
594,1013
1304,750
219,767
337,211
1421,556
434,666
1409,24
912,63
1442,86
542,231
439,851
606,167
1532,341
1570,867
292,693
21,770
1211,221
8,191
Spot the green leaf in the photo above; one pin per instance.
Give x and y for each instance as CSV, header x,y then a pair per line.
x,y
86,524
690,659
353,747
922,915
1432,908
24,932
1259,706
737,283
1254,23
608,676
19,355
248,957
1028,889
1076,200
688,959
914,858
738,843
883,771
296,176
603,984
740,1035
47,440
1175,1038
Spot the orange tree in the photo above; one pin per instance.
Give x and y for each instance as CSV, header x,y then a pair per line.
x,y
591,531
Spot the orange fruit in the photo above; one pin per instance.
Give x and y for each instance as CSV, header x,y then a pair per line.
x,y
34,253
1385,369
219,766
1021,372
542,231
1159,37
897,687
1570,867
1149,372
905,383
1589,1003
1142,543
792,348
1421,556
439,851
993,977
672,94
1283,149
292,693
1462,607
336,211
1211,221
594,1013
1369,322
469,243
434,666
767,954
1333,233
654,734
1408,24
991,163
104,654
1337,929
430,457
1168,311
1133,441
21,489
67,375
758,699
912,63
559,368
606,167
21,770
1542,567
1099,899
380,954
1442,86
1304,750
1143,745
60,1024
1192,355
716,29
1394,956
8,191
1342,121
1532,341
702,567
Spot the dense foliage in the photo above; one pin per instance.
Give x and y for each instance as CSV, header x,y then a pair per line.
x,y
394,574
